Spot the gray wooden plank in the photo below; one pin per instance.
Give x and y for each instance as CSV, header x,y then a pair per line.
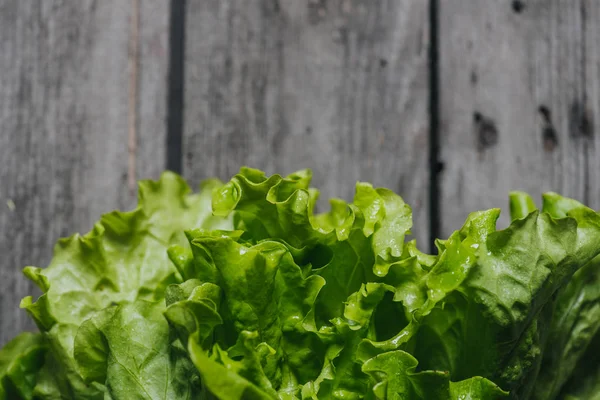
x,y
590,120
340,87
519,92
63,125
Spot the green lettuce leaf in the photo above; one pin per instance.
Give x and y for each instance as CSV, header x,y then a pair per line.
x,y
267,300
264,294
227,379
576,310
20,361
122,260
350,245
396,379
127,350
584,383
482,308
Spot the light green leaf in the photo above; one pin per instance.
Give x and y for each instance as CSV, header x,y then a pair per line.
x,y
266,300
521,205
127,350
123,259
265,292
193,307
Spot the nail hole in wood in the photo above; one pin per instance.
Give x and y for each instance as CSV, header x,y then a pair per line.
x,y
580,121
474,78
487,132
518,6
439,167
549,134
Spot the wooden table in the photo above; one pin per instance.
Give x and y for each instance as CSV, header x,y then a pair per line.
x,y
451,103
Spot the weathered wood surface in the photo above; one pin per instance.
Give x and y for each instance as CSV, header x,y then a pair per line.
x,y
63,125
519,92
338,86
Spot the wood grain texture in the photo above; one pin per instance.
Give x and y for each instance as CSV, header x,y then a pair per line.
x,y
63,125
338,86
519,95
